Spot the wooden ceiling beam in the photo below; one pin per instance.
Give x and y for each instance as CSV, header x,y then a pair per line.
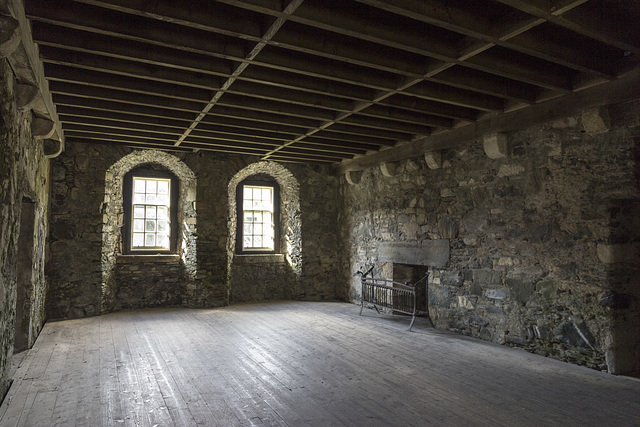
x,y
484,33
429,107
491,84
387,123
94,136
405,116
331,17
365,131
127,58
611,27
143,146
454,96
620,90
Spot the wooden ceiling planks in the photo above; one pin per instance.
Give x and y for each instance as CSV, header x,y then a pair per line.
x,y
320,81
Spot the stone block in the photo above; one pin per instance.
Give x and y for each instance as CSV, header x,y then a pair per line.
x,y
495,293
520,289
429,252
576,334
624,253
439,296
495,145
509,170
548,289
477,321
595,121
487,277
465,302
433,159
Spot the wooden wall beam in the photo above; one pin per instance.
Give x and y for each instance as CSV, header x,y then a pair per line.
x,y
617,91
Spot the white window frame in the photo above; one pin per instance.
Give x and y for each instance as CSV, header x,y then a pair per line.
x,y
258,209
150,217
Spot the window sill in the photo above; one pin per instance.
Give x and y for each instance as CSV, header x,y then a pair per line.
x,y
258,258
157,259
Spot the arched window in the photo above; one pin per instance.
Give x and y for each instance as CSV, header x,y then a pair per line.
x,y
150,196
258,213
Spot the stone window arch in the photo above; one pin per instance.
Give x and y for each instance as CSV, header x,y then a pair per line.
x,y
290,238
113,215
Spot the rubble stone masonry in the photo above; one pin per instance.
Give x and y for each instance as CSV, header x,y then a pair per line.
x,y
543,242
24,200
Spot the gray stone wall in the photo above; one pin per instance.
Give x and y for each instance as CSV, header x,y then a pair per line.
x,y
532,236
24,179
89,275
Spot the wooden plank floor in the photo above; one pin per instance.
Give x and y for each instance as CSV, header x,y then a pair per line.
x,y
297,364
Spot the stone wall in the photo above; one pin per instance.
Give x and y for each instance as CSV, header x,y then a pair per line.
x,y
535,237
89,275
24,199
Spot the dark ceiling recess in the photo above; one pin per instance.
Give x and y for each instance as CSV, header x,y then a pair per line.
x,y
318,81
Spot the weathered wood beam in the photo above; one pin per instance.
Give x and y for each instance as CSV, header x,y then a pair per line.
x,y
421,118
484,33
366,131
110,53
91,136
617,91
429,107
384,123
465,78
95,51
340,19
252,95
367,142
614,29
454,96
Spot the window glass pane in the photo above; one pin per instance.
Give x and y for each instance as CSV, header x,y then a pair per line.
x,y
257,241
138,239
163,212
138,225
163,240
247,205
163,187
149,239
163,199
138,198
150,225
138,185
247,193
163,226
152,186
248,229
247,242
138,211
248,217
266,195
257,216
151,212
257,229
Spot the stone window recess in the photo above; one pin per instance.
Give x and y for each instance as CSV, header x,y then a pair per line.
x,y
150,211
258,217
118,213
288,229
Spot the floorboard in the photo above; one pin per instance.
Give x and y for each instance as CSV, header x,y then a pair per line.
x,y
296,364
